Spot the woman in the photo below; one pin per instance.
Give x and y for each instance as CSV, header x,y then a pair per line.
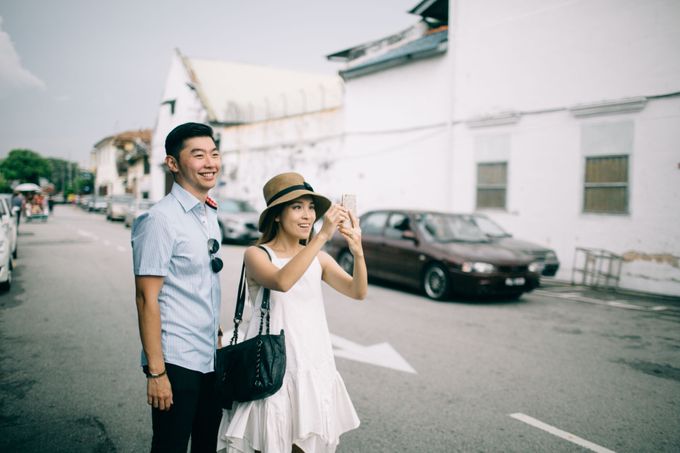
x,y
312,408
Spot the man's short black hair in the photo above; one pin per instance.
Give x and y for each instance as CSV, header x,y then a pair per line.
x,y
175,139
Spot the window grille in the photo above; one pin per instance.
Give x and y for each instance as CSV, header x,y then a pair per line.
x,y
606,185
492,179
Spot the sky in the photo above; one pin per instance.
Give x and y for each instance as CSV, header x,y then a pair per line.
x,y
75,71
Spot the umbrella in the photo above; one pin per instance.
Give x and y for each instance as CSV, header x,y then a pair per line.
x,y
27,187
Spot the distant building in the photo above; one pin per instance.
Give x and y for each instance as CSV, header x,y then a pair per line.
x,y
121,164
266,120
557,119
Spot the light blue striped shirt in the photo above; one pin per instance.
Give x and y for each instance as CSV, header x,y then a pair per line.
x,y
171,240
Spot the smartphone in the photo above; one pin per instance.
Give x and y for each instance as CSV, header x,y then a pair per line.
x,y
349,202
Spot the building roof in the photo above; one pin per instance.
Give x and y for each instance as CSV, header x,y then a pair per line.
x,y
141,136
426,46
237,93
426,38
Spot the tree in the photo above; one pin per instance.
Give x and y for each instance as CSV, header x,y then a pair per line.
x,y
63,174
24,165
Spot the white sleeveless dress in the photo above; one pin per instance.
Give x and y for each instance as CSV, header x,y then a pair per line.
x,y
312,408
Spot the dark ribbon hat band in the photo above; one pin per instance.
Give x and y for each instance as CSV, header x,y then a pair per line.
x,y
290,189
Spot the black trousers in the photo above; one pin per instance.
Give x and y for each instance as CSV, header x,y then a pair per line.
x,y
195,413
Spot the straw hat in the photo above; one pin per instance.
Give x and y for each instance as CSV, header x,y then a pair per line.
x,y
287,187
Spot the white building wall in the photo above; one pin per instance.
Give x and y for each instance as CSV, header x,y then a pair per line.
x,y
529,56
187,108
253,153
395,151
537,54
106,171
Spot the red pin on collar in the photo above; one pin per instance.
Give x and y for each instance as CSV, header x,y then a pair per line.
x,y
211,203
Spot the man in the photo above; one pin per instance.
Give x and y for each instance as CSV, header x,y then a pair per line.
x,y
18,203
178,295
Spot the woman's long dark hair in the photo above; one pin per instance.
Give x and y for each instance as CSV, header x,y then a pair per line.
x,y
271,227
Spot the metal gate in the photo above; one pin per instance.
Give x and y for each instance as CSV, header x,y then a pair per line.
x,y
596,267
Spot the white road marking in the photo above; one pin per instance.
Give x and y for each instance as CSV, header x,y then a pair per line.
x,y
616,303
87,234
559,433
609,303
381,354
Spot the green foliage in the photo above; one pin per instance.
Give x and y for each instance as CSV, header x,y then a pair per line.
x,y
24,165
4,185
63,175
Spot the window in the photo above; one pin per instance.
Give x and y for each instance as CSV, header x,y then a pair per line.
x,y
492,179
606,185
373,224
397,225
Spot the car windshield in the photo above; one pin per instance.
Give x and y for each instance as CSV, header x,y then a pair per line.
x,y
231,205
490,228
451,228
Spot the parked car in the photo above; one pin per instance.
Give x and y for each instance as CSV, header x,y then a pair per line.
x,y
237,220
117,206
97,204
6,262
439,253
137,208
8,222
545,258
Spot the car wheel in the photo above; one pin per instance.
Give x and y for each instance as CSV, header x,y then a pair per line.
x,y
436,282
6,285
346,261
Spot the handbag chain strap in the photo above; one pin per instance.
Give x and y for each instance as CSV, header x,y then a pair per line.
x,y
241,300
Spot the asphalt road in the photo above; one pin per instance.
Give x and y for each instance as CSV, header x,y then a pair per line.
x,y
560,370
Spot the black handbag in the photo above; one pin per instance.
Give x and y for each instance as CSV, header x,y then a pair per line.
x,y
253,369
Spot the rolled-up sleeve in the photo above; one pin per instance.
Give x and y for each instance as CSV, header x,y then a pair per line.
x,y
152,244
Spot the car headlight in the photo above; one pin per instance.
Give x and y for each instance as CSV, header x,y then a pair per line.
x,y
482,268
536,266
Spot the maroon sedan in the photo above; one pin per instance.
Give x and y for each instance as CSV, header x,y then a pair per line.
x,y
439,253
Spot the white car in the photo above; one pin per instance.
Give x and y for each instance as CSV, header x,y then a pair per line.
x,y
8,222
6,263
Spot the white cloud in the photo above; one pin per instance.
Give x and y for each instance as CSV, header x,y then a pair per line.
x,y
13,75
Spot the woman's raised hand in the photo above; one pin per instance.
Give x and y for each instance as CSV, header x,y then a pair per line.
x,y
352,235
332,219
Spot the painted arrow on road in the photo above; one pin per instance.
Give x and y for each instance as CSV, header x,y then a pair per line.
x,y
381,354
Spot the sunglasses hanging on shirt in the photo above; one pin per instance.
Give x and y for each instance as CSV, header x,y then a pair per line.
x,y
216,263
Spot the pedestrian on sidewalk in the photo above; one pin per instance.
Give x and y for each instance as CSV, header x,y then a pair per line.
x,y
312,408
176,264
18,203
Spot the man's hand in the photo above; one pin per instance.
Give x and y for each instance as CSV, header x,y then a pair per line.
x,y
159,392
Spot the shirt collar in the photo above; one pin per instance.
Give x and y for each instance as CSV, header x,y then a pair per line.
x,y
187,200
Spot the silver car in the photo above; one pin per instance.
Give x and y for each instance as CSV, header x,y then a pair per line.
x,y
238,221
117,207
137,208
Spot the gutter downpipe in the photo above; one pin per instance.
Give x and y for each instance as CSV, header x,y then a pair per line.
x,y
450,148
